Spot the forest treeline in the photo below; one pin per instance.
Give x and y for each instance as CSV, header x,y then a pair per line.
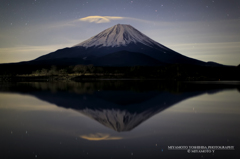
x,y
167,72
78,70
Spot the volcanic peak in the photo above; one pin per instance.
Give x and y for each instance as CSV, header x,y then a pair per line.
x,y
119,35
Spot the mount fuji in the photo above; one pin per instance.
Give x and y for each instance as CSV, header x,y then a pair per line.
x,y
120,45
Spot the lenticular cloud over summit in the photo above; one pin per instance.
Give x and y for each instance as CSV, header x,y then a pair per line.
x,y
100,19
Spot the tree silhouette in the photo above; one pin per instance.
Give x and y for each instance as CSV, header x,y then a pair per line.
x,y
53,70
80,69
44,71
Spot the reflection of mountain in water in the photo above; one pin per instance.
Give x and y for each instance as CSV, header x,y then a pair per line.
x,y
121,105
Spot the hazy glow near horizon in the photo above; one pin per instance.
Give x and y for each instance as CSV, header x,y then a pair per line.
x,y
206,30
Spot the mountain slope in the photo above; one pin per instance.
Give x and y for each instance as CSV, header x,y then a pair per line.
x,y
126,58
120,38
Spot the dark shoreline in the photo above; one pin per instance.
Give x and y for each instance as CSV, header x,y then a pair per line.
x,y
9,78
176,72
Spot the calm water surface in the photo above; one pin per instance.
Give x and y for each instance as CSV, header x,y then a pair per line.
x,y
118,119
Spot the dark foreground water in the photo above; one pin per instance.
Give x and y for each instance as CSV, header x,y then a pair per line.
x,y
120,119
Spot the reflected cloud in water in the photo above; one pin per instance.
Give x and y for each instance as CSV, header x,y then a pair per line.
x,y
99,137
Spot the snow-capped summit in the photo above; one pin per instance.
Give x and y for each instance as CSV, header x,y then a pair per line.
x,y
119,35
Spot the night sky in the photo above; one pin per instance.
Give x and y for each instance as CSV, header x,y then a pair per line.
x,y
207,30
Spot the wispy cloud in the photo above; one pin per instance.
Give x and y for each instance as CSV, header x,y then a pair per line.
x,y
218,52
100,19
25,53
99,137
25,103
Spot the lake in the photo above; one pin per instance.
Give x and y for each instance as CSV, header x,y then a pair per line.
x,y
120,119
